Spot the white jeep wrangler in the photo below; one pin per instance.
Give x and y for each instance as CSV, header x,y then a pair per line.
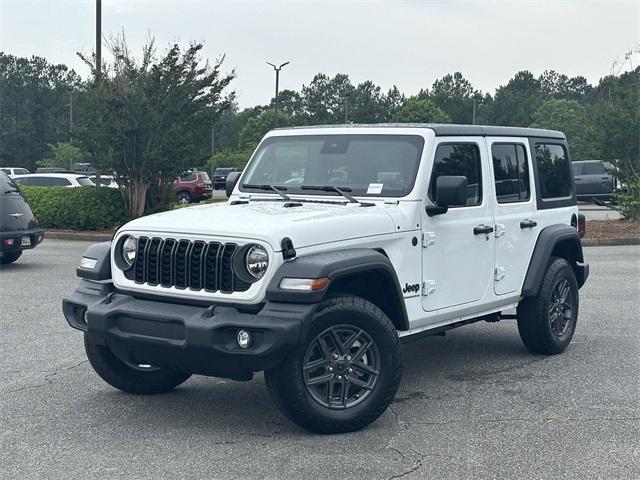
x,y
335,244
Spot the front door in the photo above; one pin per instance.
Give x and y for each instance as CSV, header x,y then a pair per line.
x,y
458,245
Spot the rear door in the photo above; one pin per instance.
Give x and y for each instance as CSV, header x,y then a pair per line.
x,y
515,212
458,245
596,177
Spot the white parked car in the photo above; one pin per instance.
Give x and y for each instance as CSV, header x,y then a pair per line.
x,y
104,181
53,180
393,232
13,171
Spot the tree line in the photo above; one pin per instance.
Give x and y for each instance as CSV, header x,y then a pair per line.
x,y
149,118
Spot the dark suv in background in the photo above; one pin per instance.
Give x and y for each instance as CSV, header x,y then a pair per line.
x,y
593,180
192,187
220,177
19,229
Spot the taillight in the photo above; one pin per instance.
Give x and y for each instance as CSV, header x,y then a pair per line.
x,y
582,225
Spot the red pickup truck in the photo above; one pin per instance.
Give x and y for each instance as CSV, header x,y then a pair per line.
x,y
192,187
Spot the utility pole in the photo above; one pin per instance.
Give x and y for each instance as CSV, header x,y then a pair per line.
x,y
277,70
473,115
98,38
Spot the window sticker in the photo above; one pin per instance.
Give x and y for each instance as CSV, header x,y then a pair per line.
x,y
375,188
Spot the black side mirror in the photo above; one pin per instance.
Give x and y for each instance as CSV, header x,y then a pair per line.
x,y
230,184
451,191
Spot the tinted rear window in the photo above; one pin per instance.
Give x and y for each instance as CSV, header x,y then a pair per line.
x,y
554,171
188,177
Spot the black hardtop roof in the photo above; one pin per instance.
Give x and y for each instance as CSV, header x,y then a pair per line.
x,y
446,129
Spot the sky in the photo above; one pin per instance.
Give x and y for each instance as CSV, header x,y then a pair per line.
x,y
391,42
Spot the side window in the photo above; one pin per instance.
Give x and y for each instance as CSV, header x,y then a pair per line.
x,y
511,172
188,177
460,159
554,171
6,170
62,182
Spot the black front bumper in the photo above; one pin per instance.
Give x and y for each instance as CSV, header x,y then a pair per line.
x,y
188,338
14,239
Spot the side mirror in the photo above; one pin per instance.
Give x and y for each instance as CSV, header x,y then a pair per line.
x,y
230,184
451,191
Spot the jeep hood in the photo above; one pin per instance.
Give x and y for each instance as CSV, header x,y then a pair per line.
x,y
270,221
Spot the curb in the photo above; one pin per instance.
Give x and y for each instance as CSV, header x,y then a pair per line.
x,y
610,242
81,236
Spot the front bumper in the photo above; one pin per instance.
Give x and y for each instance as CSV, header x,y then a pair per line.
x,y
185,337
12,241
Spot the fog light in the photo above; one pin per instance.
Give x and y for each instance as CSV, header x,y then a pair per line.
x,y
243,339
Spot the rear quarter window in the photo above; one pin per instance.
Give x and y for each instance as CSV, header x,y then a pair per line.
x,y
554,171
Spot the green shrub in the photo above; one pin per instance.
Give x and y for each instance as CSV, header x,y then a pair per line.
x,y
81,208
628,202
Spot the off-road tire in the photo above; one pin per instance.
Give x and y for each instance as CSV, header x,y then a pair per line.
x,y
8,258
289,392
534,317
126,378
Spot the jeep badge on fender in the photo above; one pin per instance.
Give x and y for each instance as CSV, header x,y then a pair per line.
x,y
309,271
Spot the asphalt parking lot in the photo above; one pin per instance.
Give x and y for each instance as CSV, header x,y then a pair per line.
x,y
472,404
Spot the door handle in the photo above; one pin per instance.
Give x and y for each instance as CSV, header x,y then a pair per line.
x,y
604,178
528,224
482,230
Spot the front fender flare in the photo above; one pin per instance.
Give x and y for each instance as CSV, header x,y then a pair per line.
x,y
335,265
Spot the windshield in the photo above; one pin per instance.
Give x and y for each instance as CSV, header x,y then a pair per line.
x,y
375,165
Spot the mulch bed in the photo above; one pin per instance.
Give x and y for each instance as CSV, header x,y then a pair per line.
x,y
597,229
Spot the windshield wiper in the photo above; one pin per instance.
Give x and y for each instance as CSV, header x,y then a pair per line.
x,y
13,190
340,190
275,188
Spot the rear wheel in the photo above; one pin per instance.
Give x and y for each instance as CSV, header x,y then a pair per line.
x,y
129,377
547,322
345,373
7,258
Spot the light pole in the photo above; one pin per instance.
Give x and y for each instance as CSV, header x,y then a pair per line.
x,y
277,70
70,114
98,38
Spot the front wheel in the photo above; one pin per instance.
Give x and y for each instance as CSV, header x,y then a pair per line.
x,y
345,373
547,322
130,378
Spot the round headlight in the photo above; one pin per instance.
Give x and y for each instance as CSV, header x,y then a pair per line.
x,y
129,249
257,261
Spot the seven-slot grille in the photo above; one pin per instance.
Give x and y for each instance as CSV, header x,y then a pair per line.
x,y
185,264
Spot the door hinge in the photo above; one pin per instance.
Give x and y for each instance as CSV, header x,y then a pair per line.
x,y
428,287
500,273
500,230
428,238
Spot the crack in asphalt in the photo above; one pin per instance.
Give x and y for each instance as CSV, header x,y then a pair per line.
x,y
47,380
